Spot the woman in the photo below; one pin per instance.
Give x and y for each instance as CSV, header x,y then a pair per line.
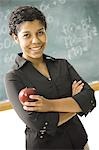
x,y
52,120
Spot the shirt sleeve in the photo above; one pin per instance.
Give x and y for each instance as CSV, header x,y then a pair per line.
x,y
45,122
85,98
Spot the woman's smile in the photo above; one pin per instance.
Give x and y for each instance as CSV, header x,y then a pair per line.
x,y
37,48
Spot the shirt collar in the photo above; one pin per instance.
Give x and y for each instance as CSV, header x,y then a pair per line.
x,y
47,57
20,61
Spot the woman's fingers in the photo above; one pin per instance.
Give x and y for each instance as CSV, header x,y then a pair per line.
x,y
40,104
35,100
76,83
77,86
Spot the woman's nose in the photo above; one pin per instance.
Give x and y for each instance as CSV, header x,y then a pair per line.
x,y
35,40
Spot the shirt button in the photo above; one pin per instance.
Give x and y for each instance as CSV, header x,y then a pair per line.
x,y
91,101
46,123
42,133
44,127
49,79
93,104
41,137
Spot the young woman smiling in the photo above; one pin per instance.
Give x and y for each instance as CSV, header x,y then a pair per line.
x,y
52,121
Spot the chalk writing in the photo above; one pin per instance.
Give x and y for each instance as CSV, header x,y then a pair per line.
x,y
77,36
7,43
8,58
43,7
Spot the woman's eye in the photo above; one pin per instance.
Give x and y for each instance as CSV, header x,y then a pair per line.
x,y
40,33
26,35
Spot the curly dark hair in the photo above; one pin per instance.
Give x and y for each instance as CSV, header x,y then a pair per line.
x,y
25,13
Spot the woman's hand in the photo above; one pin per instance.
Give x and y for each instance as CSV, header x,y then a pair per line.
x,y
40,104
77,87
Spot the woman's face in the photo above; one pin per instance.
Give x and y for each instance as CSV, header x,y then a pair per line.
x,y
31,36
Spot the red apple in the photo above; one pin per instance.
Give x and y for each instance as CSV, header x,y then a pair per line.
x,y
25,93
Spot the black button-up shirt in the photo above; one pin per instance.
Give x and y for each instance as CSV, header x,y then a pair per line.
x,y
62,74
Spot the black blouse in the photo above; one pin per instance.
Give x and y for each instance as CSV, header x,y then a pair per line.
x,y
62,74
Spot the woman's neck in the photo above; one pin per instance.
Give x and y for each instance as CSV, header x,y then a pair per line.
x,y
34,61
38,61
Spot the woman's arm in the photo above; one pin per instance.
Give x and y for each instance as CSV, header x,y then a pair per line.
x,y
63,117
56,105
76,88
34,120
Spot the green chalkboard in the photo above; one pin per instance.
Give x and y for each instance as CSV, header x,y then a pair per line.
x,y
73,33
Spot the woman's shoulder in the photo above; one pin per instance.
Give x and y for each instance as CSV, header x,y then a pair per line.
x,y
56,59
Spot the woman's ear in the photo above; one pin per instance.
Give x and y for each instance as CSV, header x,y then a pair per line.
x,y
15,37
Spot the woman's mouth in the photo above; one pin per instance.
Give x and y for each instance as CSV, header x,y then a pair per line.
x,y
36,48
